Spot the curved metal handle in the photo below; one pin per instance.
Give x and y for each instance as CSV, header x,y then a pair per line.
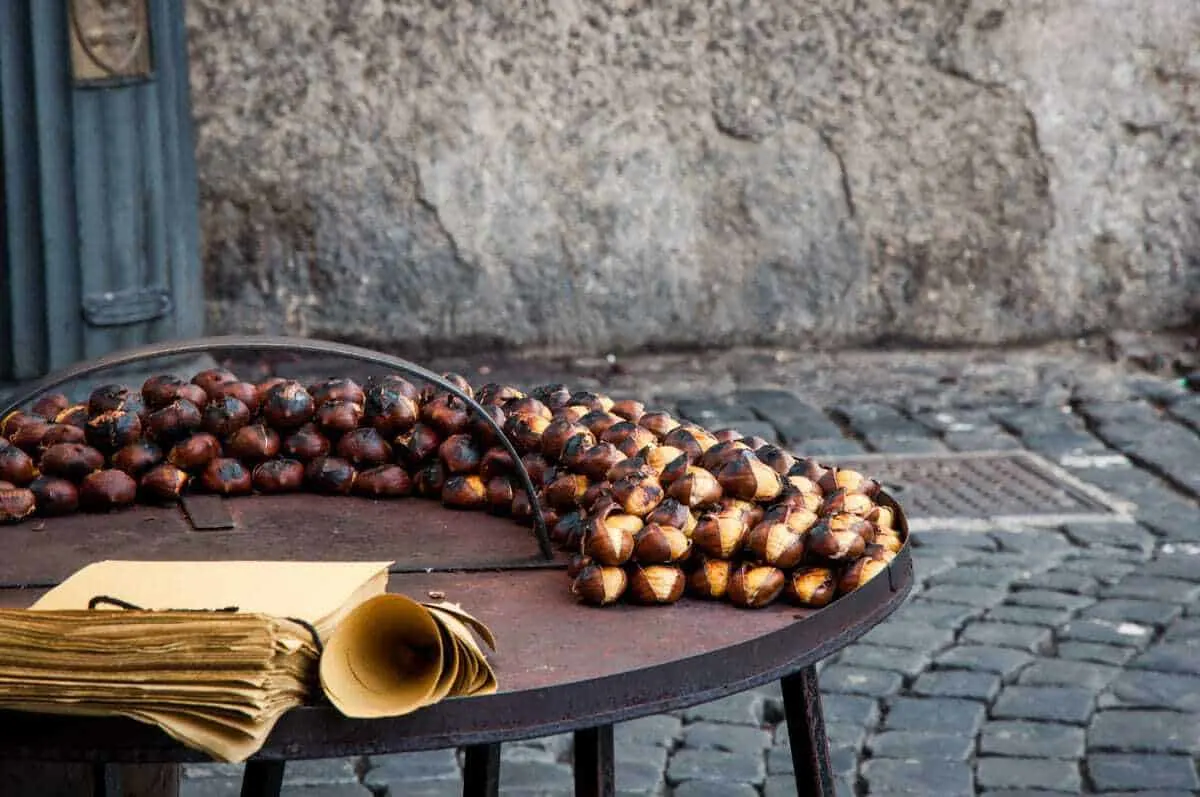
x,y
307,345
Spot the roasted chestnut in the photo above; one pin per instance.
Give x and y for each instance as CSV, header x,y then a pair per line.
x,y
54,496
115,398
242,391
211,379
137,458
446,413
253,443
30,436
163,483
50,405
226,476
160,390
194,453
112,430
460,454
337,389
278,476
74,415
16,504
484,433
384,481
306,443
337,417
464,491
364,447
106,489
62,433
174,422
287,405
330,475
415,448
224,415
71,461
430,479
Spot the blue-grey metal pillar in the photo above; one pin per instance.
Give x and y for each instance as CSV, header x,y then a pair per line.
x,y
98,212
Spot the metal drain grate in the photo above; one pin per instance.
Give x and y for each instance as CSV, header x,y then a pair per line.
x,y
988,488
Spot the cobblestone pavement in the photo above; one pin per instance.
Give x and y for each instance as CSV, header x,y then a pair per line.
x,y
1061,660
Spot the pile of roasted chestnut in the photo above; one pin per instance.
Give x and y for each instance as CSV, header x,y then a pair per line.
x,y
650,507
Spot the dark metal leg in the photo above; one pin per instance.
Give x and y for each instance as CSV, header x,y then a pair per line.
x,y
263,778
106,780
481,775
806,730
594,776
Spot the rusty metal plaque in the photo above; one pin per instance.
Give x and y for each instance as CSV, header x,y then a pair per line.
x,y
986,489
110,40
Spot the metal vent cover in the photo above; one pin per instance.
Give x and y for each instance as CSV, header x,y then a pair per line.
x,y
986,489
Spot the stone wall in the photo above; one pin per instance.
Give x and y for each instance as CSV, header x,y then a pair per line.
x,y
600,175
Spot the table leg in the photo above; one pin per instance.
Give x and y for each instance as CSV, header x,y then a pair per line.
x,y
594,776
263,778
806,731
106,780
481,774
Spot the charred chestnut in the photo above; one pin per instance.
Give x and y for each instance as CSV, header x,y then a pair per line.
x,y
174,422
364,448
194,453
54,496
226,476
163,483
337,389
306,443
384,481
253,443
107,489
49,406
137,458
224,415
288,406
72,461
278,476
330,475
337,417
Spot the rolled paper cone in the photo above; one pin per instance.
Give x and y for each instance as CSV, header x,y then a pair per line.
x,y
385,659
450,668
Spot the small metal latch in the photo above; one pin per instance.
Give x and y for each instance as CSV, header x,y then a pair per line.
x,y
118,308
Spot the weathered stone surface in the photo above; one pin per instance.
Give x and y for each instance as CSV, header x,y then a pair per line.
x,y
1002,661
1112,772
888,776
958,683
1064,672
935,715
1028,773
730,738
1031,740
1064,704
921,746
714,765
860,681
1145,731
906,662
656,173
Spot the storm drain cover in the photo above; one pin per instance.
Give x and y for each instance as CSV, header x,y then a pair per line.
x,y
986,488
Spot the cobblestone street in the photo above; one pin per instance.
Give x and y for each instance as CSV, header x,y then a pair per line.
x,y
1028,660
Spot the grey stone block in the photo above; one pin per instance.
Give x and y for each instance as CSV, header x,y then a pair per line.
x,y
936,715
640,778
1028,773
1064,704
536,776
730,738
320,771
1110,772
410,768
1065,672
909,663
958,683
704,788
1031,740
1088,651
1170,657
1153,588
945,616
849,710
1133,611
921,746
661,730
714,765
1145,732
859,681
885,776
1033,638
984,658
326,790
1106,632
745,708
1029,615
1151,690
914,636
1049,599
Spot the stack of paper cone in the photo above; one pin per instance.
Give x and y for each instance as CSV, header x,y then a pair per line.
x,y
215,652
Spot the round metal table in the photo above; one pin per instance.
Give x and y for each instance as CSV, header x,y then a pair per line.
x,y
562,667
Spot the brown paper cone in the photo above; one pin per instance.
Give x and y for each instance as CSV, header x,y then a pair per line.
x,y
384,660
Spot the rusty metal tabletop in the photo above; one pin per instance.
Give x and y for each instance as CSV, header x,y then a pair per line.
x,y
561,666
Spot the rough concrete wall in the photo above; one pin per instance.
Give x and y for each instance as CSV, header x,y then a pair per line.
x,y
597,175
